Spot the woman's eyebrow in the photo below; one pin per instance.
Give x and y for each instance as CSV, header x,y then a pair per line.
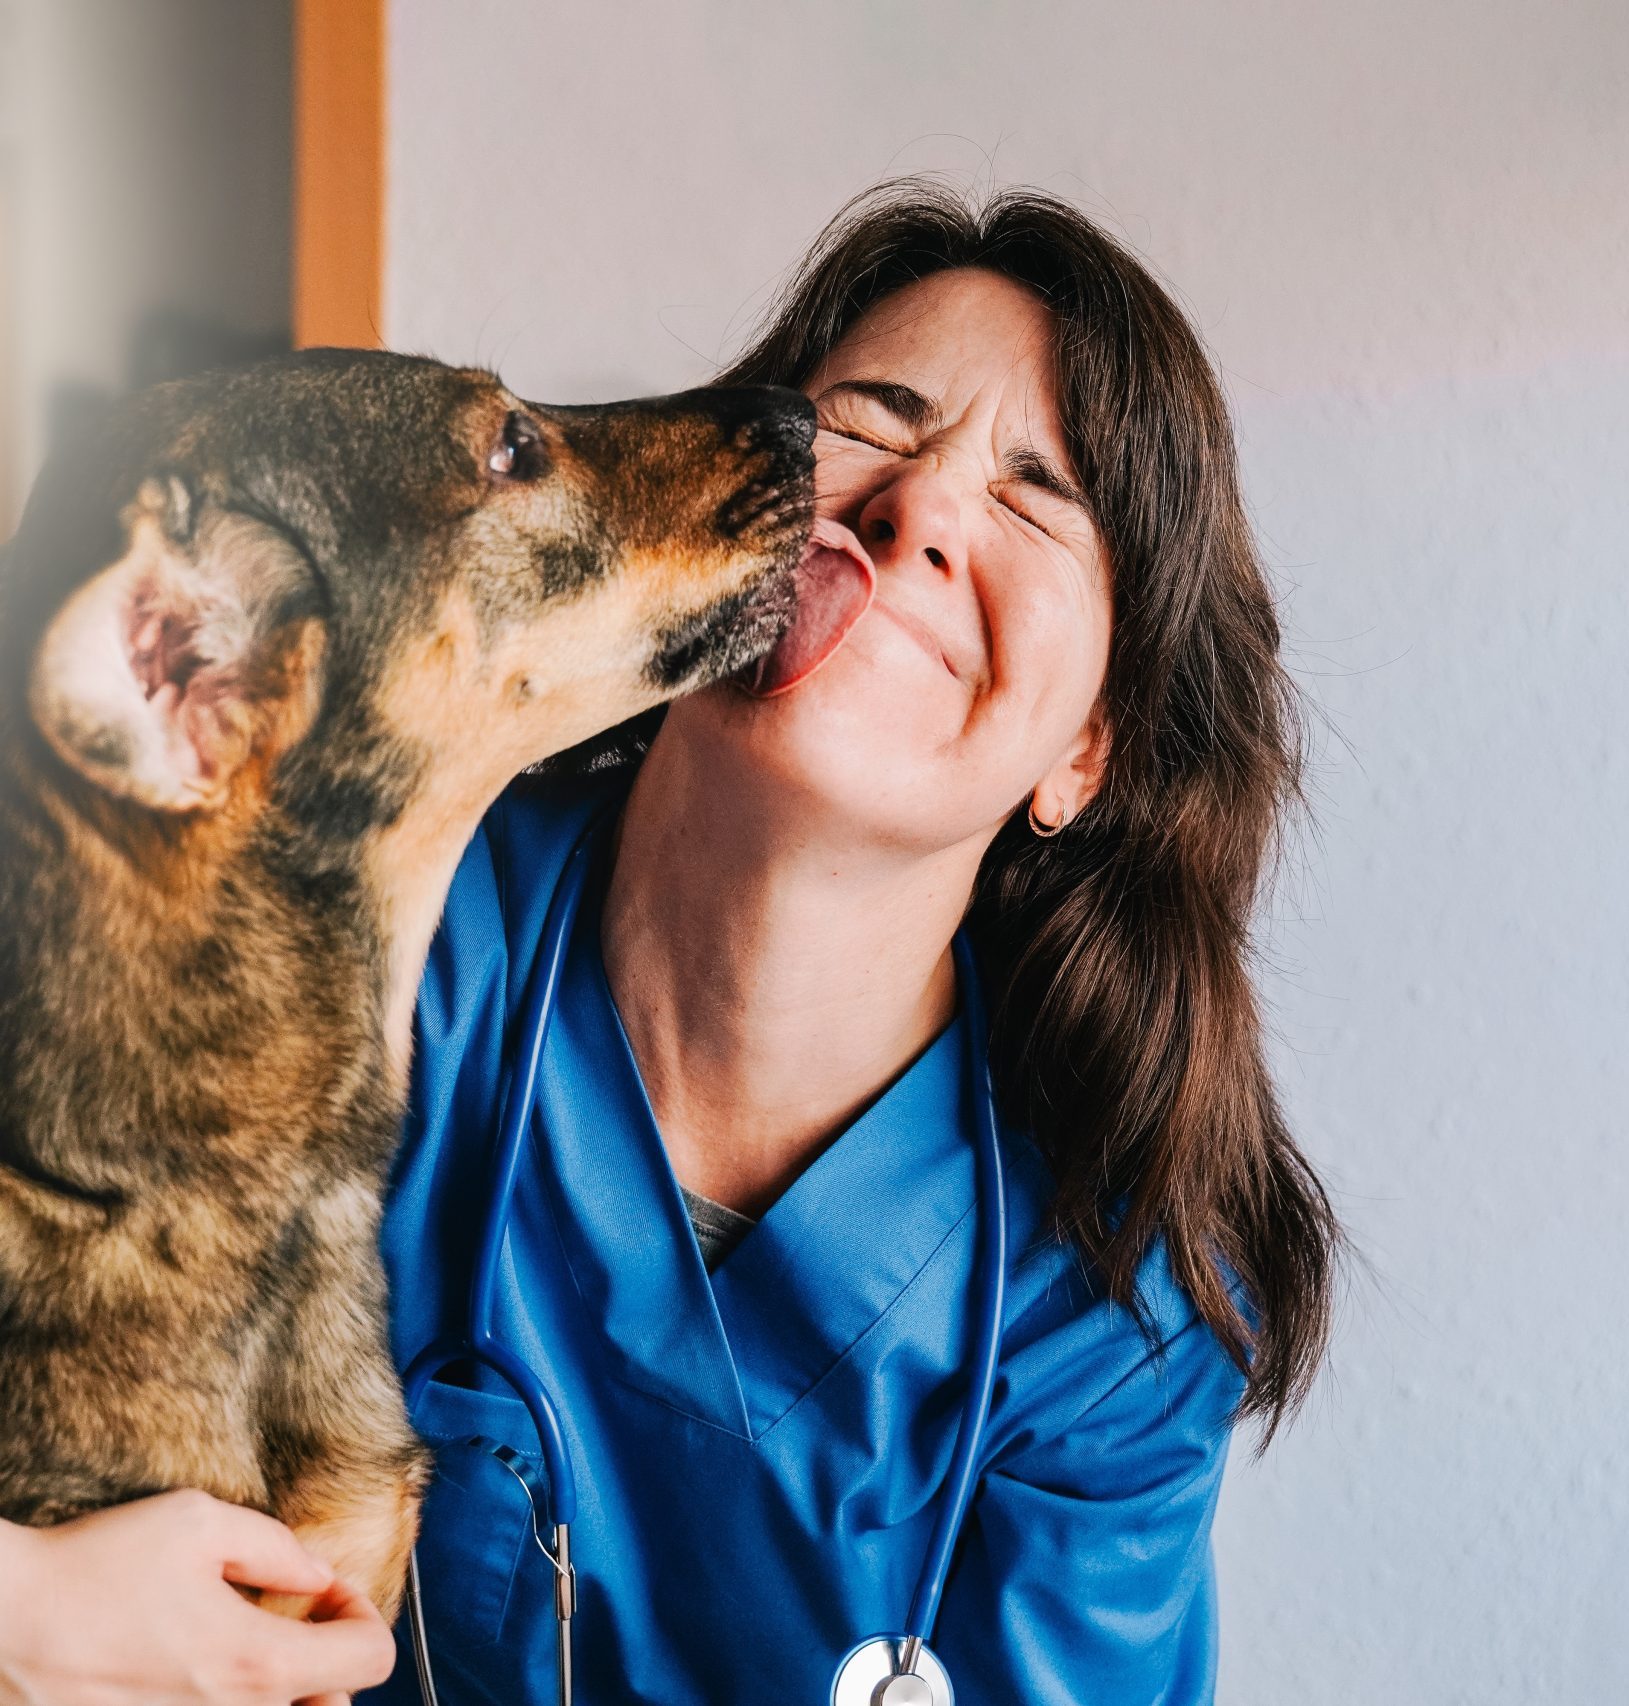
x,y
1030,468
906,404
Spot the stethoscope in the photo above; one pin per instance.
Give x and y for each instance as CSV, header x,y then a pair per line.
x,y
883,1670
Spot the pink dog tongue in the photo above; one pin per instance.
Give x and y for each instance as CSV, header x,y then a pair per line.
x,y
835,581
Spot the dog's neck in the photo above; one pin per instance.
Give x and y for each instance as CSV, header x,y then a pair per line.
x,y
231,996
408,869
259,975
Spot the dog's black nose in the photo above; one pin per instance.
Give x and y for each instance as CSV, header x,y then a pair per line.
x,y
761,417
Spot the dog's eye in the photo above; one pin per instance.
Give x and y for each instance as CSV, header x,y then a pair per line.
x,y
519,454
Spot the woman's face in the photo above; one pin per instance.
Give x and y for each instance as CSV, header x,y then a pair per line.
x,y
974,677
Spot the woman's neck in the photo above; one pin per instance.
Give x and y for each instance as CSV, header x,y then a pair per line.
x,y
770,984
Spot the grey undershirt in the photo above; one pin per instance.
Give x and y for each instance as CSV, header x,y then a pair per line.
x,y
718,1229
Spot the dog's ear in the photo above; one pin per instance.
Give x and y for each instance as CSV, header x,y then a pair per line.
x,y
160,677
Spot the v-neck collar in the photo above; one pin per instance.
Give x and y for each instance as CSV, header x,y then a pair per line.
x,y
738,1349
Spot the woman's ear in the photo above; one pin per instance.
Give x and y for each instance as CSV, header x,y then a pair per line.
x,y
159,676
1071,785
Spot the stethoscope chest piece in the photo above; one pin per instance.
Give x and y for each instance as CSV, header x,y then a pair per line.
x,y
870,1676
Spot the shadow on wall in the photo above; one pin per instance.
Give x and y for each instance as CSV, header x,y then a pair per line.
x,y
166,343
145,205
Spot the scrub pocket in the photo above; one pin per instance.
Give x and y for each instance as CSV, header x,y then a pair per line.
x,y
476,1546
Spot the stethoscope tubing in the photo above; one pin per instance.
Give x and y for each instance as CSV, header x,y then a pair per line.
x,y
989,1309
480,1343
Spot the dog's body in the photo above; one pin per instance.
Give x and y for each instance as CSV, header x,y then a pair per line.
x,y
266,655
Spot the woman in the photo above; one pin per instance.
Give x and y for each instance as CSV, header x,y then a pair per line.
x,y
1063,721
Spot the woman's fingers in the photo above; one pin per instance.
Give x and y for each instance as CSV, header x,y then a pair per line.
x,y
344,1648
341,1599
257,1551
131,1606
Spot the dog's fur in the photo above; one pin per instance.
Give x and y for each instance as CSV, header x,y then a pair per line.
x,y
268,649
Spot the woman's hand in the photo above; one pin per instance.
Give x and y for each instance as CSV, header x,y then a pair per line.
x,y
134,1606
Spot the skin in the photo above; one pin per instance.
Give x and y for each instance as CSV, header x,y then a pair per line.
x,y
789,875
791,871
137,1603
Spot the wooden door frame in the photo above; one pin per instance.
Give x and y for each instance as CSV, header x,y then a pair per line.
x,y
339,172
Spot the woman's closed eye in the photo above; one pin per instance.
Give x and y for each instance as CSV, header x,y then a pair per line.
x,y
1024,515
855,437
1026,509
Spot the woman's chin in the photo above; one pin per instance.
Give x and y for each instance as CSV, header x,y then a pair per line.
x,y
851,725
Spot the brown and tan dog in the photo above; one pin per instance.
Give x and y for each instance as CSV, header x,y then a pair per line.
x,y
268,650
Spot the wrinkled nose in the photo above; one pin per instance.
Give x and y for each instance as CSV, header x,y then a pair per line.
x,y
916,517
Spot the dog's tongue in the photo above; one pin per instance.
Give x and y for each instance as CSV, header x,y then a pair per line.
x,y
835,581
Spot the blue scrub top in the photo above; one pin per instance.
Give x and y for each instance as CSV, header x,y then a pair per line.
x,y
760,1452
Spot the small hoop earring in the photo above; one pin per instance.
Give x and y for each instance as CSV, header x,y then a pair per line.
x,y
1045,830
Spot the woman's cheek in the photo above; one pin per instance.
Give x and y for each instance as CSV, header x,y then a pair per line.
x,y
844,473
1040,659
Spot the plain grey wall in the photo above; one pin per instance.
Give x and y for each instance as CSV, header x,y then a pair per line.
x,y
1402,229
145,168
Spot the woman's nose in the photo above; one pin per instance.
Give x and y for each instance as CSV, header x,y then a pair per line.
x,y
916,517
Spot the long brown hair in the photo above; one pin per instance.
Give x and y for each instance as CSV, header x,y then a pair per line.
x,y
1126,1033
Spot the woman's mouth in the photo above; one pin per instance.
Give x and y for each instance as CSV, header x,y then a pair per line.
x,y
835,582
918,631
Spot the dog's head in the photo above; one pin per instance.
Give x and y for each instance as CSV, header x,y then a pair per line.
x,y
347,576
